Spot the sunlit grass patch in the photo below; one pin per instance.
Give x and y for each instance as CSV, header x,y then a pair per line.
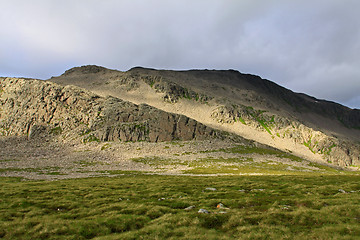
x,y
240,159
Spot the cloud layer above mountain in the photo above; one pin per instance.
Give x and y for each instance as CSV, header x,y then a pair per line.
x,y
307,46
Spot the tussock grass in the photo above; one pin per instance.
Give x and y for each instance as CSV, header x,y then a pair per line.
x,y
136,206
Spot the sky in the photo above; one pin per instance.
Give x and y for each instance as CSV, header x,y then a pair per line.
x,y
307,46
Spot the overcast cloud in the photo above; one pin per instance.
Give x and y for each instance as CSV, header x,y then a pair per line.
x,y
307,46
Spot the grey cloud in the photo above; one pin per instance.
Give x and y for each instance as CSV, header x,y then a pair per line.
x,y
308,47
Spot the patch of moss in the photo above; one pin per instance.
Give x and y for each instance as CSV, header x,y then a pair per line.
x,y
9,160
186,94
105,146
122,172
330,149
151,83
249,108
264,125
258,116
181,144
55,173
196,97
90,138
272,119
242,120
308,144
56,130
141,127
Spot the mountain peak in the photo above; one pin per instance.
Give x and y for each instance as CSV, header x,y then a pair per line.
x,y
86,69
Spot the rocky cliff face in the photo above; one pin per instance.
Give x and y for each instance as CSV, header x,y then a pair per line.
x,y
36,108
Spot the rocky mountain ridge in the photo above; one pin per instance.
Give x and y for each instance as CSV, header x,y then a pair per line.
x,y
236,102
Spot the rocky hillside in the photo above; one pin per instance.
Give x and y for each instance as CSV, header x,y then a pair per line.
x,y
243,104
40,108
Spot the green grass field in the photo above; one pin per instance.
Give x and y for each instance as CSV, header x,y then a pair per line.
x,y
136,206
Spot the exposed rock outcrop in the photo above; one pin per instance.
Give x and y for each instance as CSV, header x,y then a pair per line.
x,y
173,92
333,150
35,108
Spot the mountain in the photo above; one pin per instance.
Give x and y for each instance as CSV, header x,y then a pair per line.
x,y
243,104
227,116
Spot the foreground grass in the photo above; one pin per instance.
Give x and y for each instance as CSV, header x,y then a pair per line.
x,y
152,207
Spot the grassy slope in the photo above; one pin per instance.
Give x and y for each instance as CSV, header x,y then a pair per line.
x,y
243,163
152,207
